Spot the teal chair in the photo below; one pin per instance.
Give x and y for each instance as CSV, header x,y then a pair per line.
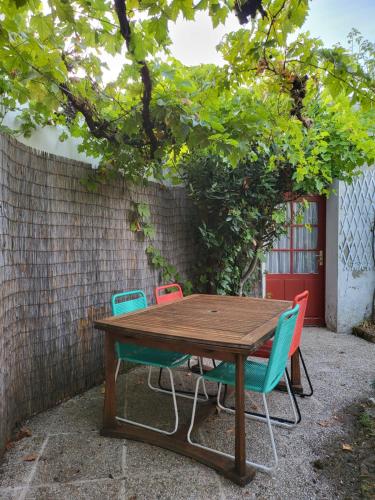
x,y
259,377
131,301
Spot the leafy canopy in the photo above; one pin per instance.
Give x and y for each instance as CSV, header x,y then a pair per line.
x,y
104,72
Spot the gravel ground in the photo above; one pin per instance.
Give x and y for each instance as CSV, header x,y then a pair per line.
x,y
66,458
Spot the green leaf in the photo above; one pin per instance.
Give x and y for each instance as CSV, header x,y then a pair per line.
x,y
20,3
64,10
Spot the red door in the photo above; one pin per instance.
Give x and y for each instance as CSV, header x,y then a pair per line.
x,y
296,262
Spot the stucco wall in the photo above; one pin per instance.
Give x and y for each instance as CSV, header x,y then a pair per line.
x,y
47,139
331,256
350,277
64,252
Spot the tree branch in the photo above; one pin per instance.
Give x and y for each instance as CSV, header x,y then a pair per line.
x,y
99,128
125,30
120,7
249,270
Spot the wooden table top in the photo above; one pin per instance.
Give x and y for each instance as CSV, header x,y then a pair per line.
x,y
207,320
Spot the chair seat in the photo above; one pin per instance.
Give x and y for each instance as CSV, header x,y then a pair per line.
x,y
264,351
150,357
225,373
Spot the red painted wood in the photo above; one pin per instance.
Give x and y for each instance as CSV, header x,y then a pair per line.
x,y
287,286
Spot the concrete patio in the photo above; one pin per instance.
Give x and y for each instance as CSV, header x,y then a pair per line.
x,y
70,460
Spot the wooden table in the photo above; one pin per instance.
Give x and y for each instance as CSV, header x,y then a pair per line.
x,y
212,326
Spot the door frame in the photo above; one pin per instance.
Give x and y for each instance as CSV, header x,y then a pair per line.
x,y
313,321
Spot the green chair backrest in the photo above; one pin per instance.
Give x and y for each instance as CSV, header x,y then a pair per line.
x,y
124,306
138,301
280,348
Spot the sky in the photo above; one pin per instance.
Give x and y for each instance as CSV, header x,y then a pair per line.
x,y
194,42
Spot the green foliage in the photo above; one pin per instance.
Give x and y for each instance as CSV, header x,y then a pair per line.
x,y
241,214
367,422
168,272
56,59
141,222
240,208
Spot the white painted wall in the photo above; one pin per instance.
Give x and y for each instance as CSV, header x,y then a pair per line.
x,y
350,270
47,139
331,260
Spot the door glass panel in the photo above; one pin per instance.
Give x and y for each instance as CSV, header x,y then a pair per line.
x,y
305,263
309,214
278,262
305,238
283,241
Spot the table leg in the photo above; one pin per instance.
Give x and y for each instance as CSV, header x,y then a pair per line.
x,y
109,417
295,376
296,373
240,436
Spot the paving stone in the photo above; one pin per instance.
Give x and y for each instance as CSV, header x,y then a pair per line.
x,y
79,414
11,493
140,456
14,471
93,490
74,457
172,485
77,463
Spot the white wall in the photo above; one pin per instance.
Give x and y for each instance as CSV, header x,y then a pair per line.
x,y
331,259
47,139
350,270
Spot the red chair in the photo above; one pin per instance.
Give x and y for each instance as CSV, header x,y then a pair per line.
x,y
163,296
265,350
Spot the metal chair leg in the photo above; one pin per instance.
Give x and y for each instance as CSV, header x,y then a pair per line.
x,y
155,428
270,430
117,369
194,367
261,467
303,394
279,421
190,368
181,393
200,361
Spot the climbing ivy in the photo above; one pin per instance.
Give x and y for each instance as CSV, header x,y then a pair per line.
x,y
141,221
141,224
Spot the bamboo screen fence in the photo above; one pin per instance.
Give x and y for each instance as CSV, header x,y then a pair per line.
x,y
64,252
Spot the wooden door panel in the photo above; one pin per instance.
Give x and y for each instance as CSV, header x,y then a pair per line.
x,y
293,287
275,288
315,306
